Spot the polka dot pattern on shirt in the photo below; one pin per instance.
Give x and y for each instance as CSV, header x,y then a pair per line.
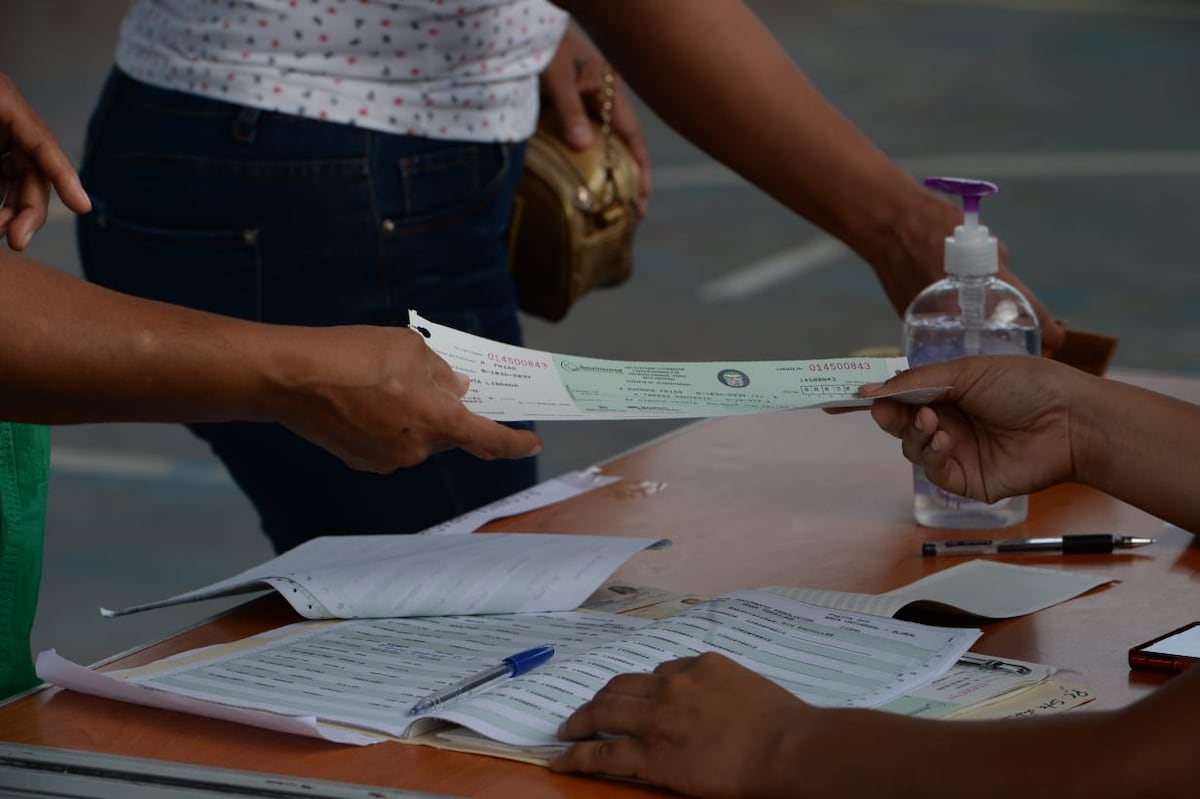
x,y
446,69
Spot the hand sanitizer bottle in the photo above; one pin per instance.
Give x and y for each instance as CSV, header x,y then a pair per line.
x,y
969,312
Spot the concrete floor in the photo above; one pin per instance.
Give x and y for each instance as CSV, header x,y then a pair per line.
x,y
1086,112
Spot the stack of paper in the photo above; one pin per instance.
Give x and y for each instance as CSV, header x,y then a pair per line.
x,y
431,610
365,674
381,576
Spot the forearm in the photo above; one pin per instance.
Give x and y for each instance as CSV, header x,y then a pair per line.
x,y
74,352
715,73
1140,446
1144,750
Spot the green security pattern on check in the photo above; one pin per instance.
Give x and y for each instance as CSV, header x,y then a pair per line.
x,y
716,388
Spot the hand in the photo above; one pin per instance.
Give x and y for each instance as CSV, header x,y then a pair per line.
x,y
1003,428
381,399
30,161
573,88
1053,331
704,726
910,256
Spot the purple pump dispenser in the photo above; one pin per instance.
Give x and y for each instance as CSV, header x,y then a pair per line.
x,y
971,250
970,311
970,190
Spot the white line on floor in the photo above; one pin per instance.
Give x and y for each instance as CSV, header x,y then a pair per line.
x,y
133,466
766,273
759,276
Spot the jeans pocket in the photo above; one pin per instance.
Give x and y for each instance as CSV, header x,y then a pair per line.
x,y
449,182
216,270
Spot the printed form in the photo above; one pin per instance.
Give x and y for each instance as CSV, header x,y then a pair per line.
x,y
511,383
366,674
359,576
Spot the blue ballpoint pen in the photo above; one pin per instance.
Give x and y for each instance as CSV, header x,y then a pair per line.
x,y
509,667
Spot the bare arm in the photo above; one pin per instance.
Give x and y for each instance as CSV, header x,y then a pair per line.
x,y
715,73
377,397
1142,447
1147,749
73,352
708,727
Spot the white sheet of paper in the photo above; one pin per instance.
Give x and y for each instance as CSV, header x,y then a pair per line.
x,y
366,673
360,576
826,657
511,383
986,588
545,493
57,670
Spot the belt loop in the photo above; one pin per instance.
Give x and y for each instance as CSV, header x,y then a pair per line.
x,y
244,124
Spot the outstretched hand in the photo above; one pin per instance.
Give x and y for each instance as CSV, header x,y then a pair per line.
x,y
380,399
917,260
31,160
704,726
1002,429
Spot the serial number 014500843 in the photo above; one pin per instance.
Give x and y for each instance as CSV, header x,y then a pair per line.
x,y
837,366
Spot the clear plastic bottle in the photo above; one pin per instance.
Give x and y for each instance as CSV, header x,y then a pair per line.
x,y
969,312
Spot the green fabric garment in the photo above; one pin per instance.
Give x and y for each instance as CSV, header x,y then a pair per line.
x,y
24,472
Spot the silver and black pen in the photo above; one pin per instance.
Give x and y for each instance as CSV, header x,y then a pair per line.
x,y
1090,543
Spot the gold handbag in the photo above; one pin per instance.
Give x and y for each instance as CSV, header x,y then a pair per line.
x,y
574,216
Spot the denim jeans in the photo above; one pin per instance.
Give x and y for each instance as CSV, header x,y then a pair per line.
x,y
282,219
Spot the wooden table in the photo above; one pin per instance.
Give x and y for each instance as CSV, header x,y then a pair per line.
x,y
799,498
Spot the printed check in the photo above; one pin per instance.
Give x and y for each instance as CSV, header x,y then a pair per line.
x,y
511,383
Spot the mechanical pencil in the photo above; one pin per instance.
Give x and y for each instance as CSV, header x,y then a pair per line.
x,y
1067,544
509,667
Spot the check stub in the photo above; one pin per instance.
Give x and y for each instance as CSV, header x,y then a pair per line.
x,y
515,383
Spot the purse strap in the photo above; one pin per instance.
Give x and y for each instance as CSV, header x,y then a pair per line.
x,y
612,191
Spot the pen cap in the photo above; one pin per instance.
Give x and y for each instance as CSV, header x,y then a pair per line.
x,y
529,659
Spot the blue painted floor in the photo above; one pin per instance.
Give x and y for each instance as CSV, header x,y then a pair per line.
x,y
1086,112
